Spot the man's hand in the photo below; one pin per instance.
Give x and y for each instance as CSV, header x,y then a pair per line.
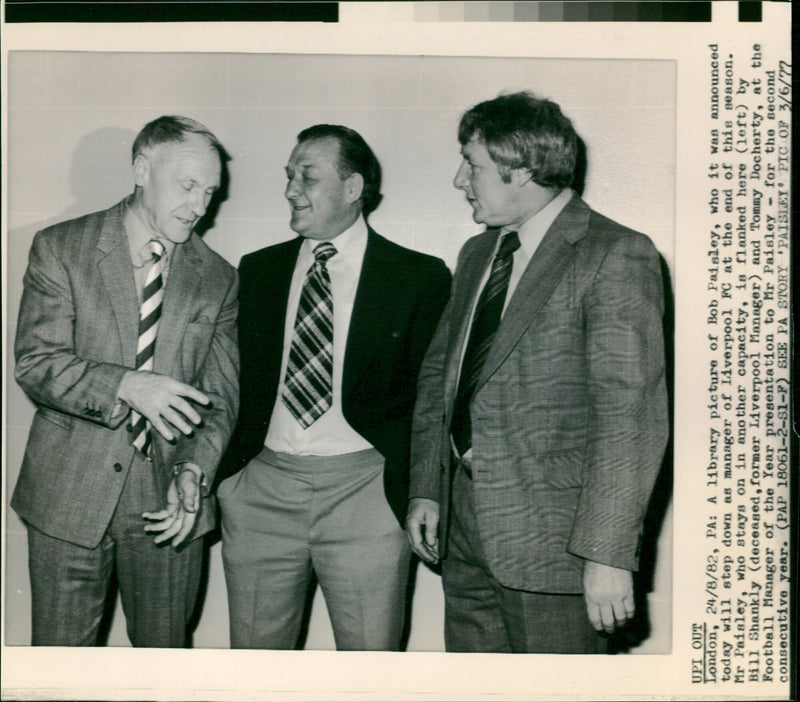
x,y
183,502
609,595
422,523
162,401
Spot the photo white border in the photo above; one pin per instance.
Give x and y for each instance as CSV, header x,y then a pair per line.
x,y
367,28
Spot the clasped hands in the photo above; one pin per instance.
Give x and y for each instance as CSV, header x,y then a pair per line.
x,y
164,402
608,591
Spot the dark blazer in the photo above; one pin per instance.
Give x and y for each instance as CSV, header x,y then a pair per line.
x,y
569,417
399,299
76,338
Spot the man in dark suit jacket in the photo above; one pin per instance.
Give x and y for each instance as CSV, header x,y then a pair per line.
x,y
126,342
541,417
333,326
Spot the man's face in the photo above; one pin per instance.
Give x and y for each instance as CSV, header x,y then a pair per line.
x,y
494,202
322,204
177,182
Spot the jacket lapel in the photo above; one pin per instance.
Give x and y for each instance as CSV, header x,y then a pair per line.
x,y
545,270
373,309
116,271
272,284
183,280
464,296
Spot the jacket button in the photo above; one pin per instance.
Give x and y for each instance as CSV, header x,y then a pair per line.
x,y
117,467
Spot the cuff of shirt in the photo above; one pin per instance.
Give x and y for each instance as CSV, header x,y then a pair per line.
x,y
120,408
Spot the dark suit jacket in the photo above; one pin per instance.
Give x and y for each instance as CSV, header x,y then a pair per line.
x,y
569,418
76,338
399,299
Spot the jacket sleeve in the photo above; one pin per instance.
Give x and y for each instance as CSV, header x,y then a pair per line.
x,y
628,420
48,368
427,431
429,311
219,380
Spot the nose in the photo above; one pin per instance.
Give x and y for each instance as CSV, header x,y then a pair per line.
x,y
198,202
292,189
461,181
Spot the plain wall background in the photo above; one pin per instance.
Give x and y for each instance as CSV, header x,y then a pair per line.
x,y
72,117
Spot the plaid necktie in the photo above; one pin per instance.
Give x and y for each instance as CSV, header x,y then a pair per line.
x,y
484,327
309,373
149,314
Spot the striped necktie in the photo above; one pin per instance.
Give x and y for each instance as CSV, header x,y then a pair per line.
x,y
484,327
149,314
309,374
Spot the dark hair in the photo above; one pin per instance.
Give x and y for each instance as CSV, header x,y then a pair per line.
x,y
355,156
170,129
523,131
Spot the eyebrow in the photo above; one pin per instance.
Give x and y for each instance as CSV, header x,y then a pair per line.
x,y
303,167
191,179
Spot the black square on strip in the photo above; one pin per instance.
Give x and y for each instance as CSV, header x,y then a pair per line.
x,y
749,11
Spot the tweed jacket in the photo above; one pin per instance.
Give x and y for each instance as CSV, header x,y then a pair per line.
x,y
569,417
77,337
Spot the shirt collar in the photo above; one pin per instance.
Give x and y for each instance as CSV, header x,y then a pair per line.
x,y
139,236
350,245
532,231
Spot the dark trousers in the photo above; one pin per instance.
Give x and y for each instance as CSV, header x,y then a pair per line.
x,y
157,584
482,615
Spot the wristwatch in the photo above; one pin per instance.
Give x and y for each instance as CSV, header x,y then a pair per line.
x,y
179,468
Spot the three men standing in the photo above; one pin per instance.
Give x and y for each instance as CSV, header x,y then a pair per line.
x,y
540,420
333,326
541,417
126,342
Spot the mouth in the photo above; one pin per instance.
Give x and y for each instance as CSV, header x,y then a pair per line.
x,y
299,208
186,222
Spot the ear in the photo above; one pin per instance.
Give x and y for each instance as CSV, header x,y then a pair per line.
x,y
353,187
141,169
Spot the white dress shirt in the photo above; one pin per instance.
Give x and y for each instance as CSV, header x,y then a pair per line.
x,y
330,435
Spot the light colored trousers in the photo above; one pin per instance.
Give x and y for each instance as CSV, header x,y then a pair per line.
x,y
283,516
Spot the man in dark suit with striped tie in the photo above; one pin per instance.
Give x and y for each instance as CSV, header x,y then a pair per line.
x,y
126,342
332,328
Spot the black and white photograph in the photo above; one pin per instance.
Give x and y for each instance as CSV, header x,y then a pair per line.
x,y
349,343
